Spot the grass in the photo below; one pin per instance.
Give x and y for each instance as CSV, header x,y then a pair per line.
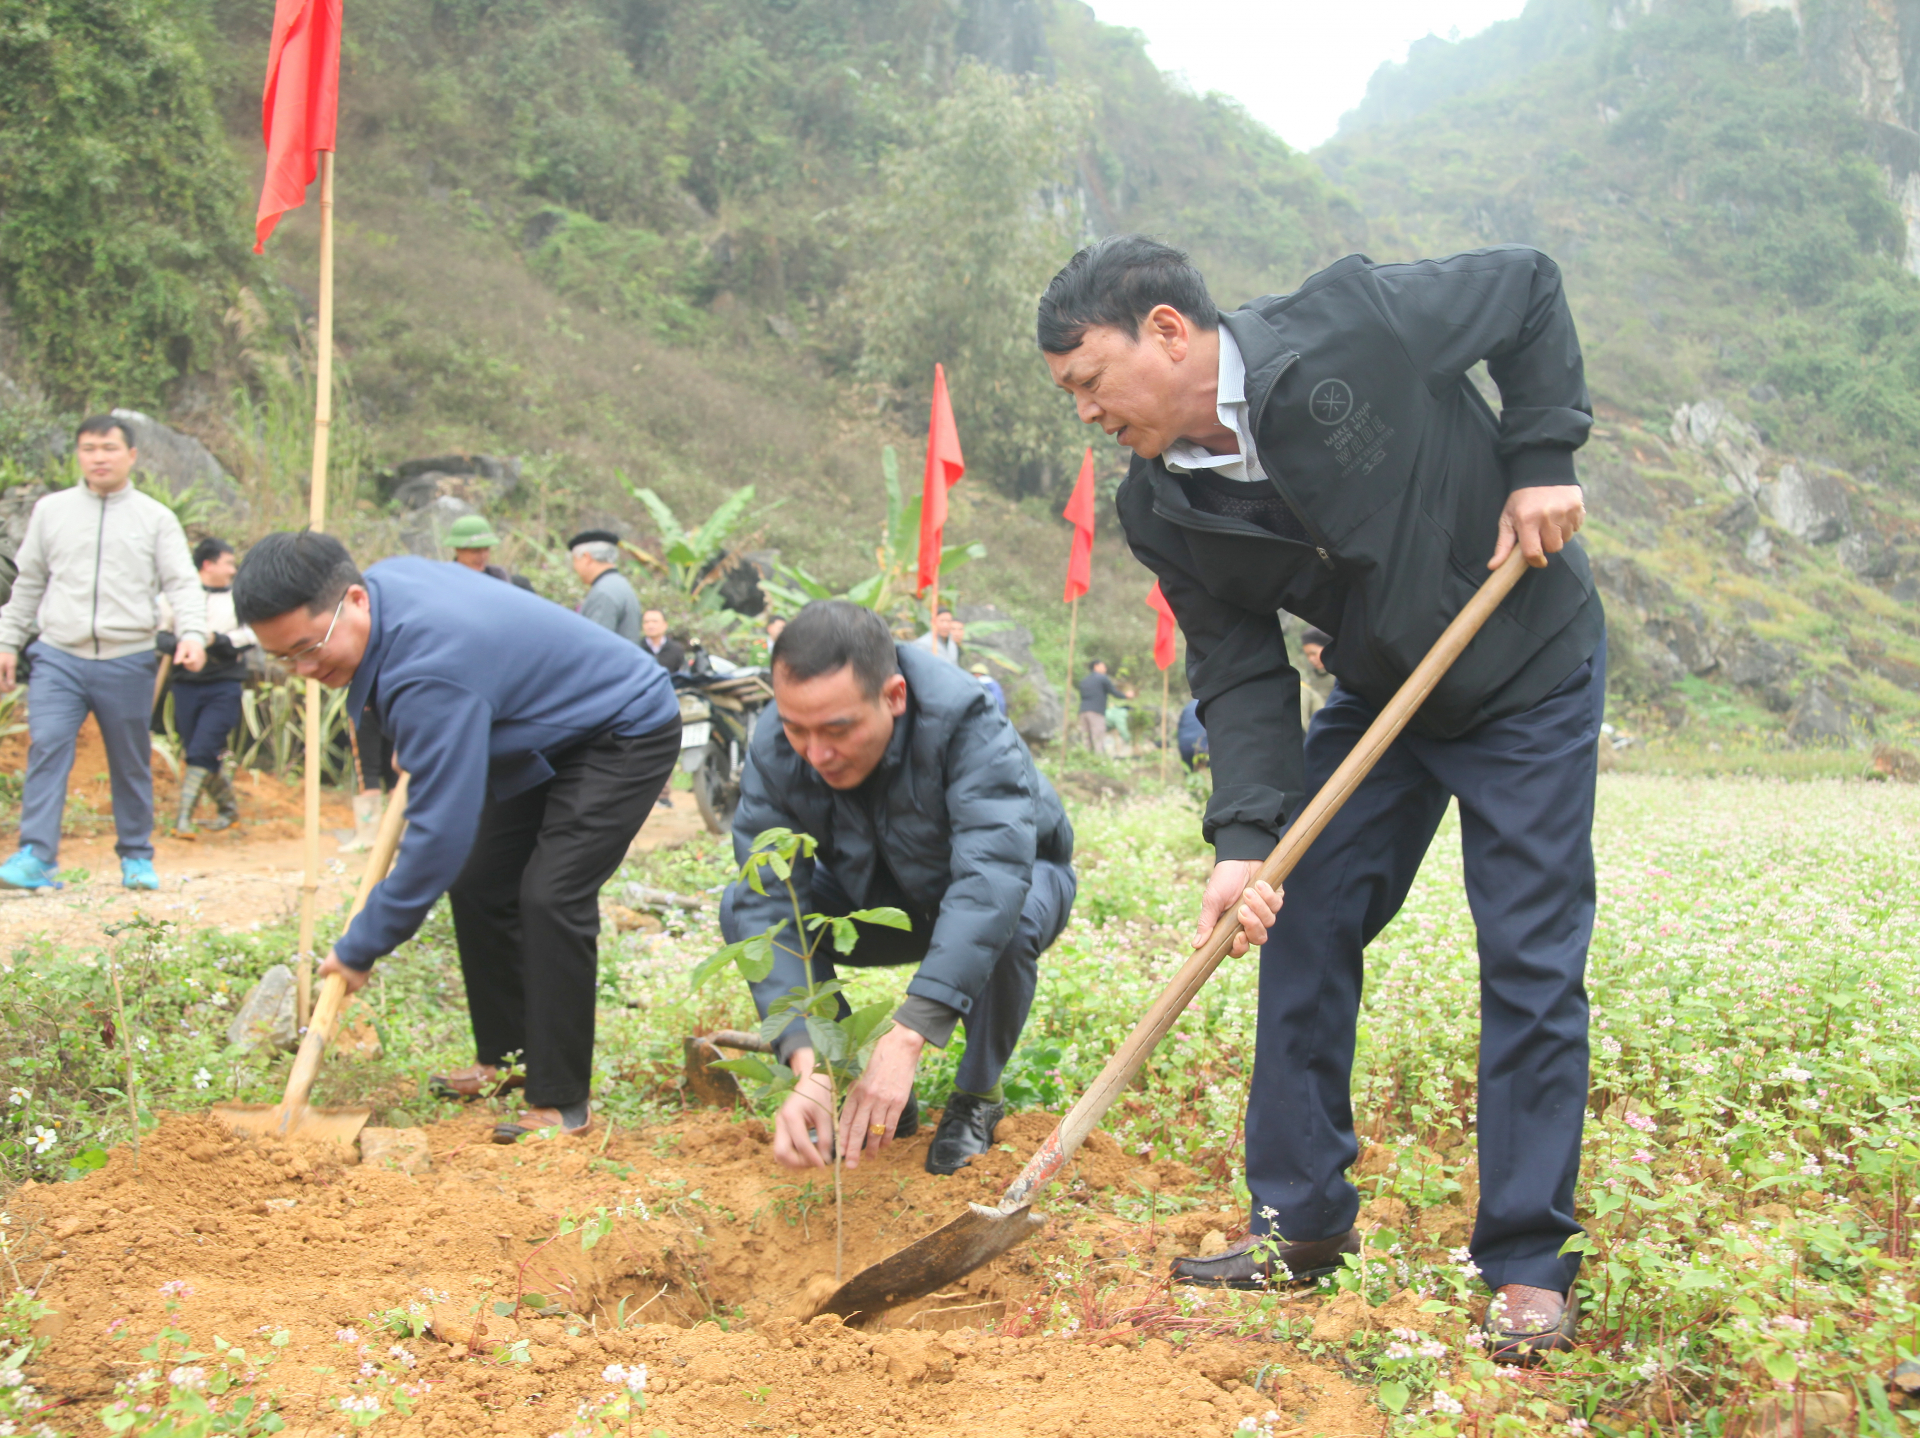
x,y
1749,1173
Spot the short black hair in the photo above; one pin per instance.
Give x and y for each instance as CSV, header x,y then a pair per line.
x,y
941,610
829,634
294,569
105,424
210,549
1315,636
1093,664
1119,281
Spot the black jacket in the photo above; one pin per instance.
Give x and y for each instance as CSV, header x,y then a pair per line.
x,y
672,656
957,807
1389,475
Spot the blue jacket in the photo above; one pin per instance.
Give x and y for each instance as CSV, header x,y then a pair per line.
x,y
477,682
957,809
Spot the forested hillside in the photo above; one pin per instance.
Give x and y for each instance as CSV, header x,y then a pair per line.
x,y
698,246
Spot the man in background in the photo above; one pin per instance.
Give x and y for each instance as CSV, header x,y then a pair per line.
x,y
206,705
667,651
991,685
1192,736
939,641
922,798
1316,684
1095,690
610,602
473,543
93,559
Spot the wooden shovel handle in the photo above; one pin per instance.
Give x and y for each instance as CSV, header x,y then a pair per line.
x,y
1072,1131
333,992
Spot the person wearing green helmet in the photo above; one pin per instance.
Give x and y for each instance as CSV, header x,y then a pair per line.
x,y
473,541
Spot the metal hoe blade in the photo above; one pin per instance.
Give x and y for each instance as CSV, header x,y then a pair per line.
x,y
927,1265
277,1120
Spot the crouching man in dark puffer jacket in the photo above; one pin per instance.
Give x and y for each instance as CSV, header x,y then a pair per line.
x,y
923,798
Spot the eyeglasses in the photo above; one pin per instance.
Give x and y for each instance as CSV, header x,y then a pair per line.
x,y
307,651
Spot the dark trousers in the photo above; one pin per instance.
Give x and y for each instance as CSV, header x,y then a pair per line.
x,y
526,908
1525,786
204,715
998,1015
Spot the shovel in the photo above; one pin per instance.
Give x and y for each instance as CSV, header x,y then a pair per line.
x,y
983,1233
291,1118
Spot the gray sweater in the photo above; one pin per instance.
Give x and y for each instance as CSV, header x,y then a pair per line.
x,y
612,604
89,570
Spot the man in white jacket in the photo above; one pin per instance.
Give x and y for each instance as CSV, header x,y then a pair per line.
x,y
93,560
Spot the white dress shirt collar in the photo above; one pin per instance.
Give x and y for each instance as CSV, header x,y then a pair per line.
x,y
1183,456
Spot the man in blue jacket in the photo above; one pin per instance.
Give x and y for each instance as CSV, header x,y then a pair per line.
x,y
1326,453
923,798
536,743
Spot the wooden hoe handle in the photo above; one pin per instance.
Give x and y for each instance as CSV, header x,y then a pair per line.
x,y
333,991
1127,1061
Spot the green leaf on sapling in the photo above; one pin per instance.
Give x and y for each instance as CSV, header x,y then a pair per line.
x,y
757,1069
829,1040
865,1024
716,961
845,936
886,916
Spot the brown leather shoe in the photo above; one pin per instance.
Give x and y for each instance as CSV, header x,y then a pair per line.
x,y
474,1081
537,1120
1524,1322
1266,1263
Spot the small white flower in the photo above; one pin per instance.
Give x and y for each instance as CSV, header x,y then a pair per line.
x,y
1445,1402
202,1079
347,1336
401,1356
188,1377
17,1095
43,1138
637,1378
142,1043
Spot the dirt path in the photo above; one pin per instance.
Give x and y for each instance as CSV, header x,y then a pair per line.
x,y
242,878
703,1227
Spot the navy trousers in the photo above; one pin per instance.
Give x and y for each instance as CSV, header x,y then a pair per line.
x,y
204,715
1525,786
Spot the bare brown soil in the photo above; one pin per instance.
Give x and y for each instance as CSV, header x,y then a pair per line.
x,y
270,1236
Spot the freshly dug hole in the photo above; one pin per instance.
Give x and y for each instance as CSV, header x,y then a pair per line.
x,y
704,1227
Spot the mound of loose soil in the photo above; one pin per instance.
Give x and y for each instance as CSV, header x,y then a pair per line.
x,y
705,1227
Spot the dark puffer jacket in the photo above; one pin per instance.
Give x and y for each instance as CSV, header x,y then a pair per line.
x,y
1389,472
957,807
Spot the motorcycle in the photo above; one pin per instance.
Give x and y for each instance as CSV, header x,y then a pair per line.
x,y
720,702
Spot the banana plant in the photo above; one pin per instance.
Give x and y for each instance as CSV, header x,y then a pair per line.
x,y
687,555
896,559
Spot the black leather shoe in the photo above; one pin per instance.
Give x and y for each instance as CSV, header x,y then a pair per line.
x,y
1259,1263
909,1123
1524,1322
966,1129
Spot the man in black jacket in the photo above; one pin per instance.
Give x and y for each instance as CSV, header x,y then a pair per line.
x,y
923,798
1326,453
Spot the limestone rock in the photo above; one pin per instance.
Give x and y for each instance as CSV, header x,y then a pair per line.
x,y
1867,557
1820,718
266,1015
1810,504
1032,701
424,530
404,1149
1706,427
479,479
179,462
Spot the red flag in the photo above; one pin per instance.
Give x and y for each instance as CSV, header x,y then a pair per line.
x,y
944,468
298,108
1079,513
1163,627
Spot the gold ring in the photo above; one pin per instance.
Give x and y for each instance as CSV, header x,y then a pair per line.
x,y
879,1128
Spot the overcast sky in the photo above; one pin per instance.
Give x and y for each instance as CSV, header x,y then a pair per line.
x,y
1297,67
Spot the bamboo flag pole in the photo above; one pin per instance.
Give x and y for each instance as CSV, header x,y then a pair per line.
x,y
1071,718
317,520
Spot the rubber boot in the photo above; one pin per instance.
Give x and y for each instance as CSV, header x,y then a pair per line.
x,y
226,802
367,807
191,783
